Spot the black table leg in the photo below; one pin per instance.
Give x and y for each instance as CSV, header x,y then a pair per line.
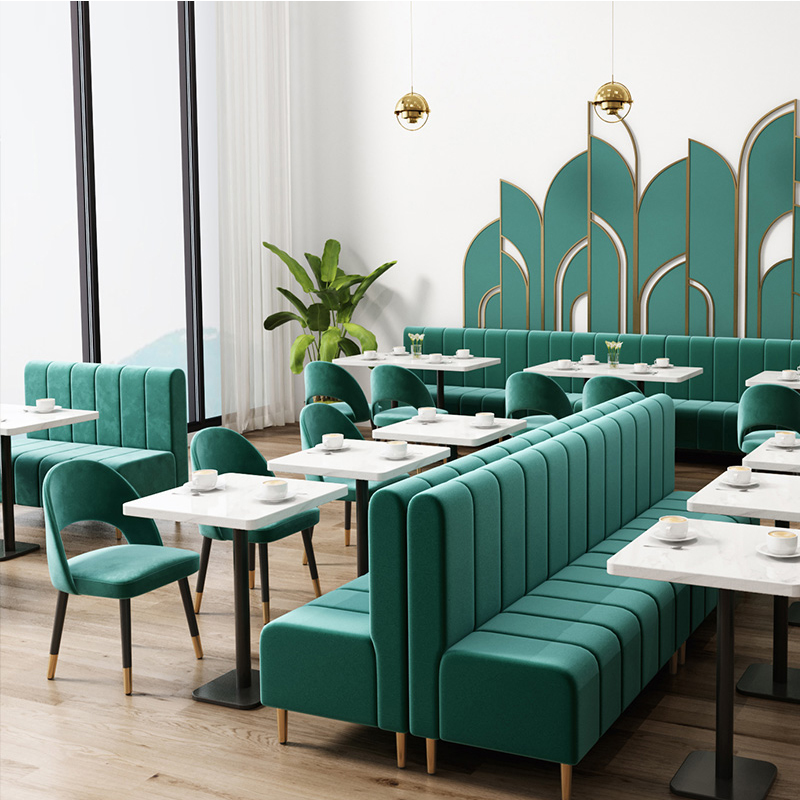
x,y
362,532
439,389
720,775
240,687
10,547
453,452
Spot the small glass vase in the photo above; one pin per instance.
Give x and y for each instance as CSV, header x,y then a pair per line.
x,y
613,359
416,350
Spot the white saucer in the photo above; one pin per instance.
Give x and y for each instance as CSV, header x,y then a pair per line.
x,y
407,455
573,368
477,427
650,371
219,485
377,358
762,548
667,366
672,539
423,421
739,485
34,410
789,380
443,361
290,495
321,446
464,358
589,363
400,354
774,443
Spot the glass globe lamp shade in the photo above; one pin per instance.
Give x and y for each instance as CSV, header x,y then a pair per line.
x,y
612,102
412,111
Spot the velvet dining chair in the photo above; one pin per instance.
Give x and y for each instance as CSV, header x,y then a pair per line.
x,y
80,491
763,409
390,383
602,388
536,399
228,451
324,379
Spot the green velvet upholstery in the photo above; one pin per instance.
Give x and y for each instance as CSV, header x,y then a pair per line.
x,y
388,383
536,398
324,379
705,407
509,600
77,491
603,388
337,620
764,409
140,433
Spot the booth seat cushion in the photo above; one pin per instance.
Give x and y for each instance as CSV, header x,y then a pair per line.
x,y
706,425
471,399
148,471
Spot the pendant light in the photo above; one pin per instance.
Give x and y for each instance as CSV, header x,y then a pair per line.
x,y
613,100
412,109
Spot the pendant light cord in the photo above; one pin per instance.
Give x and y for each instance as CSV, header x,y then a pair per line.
x,y
411,27
612,41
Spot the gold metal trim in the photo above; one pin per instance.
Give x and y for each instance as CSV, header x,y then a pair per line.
x,y
198,599
483,303
317,590
636,322
430,755
710,309
127,680
265,612
678,263
51,666
558,280
198,647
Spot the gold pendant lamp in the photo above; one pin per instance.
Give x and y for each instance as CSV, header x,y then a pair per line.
x,y
613,101
412,109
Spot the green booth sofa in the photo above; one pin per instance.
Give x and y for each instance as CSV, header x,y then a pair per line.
x,y
510,602
140,432
705,407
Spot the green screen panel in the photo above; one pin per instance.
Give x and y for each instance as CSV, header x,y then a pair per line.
x,y
574,285
604,297
796,269
666,311
514,296
776,295
481,272
698,312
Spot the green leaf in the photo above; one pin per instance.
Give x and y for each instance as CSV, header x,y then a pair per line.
x,y
295,301
329,299
330,260
368,281
349,347
319,318
300,275
316,267
279,318
297,355
329,344
365,337
346,280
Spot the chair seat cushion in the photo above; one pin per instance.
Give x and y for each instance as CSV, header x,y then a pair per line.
x,y
538,420
148,471
272,533
125,571
756,438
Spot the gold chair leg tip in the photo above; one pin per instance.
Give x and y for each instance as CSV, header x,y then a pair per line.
x,y
252,579
317,590
265,613
127,680
51,667
198,599
198,647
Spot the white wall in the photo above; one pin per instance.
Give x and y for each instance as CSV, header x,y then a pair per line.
x,y
508,85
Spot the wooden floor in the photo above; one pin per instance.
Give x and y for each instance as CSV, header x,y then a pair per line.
x,y
79,737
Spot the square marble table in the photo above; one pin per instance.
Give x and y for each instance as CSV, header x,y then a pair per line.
x,y
724,557
774,497
773,376
236,506
15,420
449,429
673,374
447,364
362,461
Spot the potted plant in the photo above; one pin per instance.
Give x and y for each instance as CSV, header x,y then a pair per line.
x,y
327,319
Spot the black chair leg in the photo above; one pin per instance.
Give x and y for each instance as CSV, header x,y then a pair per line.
x,y
125,629
312,561
186,596
263,560
58,627
348,512
251,550
205,554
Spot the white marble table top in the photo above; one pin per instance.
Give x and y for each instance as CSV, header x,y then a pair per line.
x,y
15,420
362,460
775,497
723,556
673,374
447,364
236,505
455,429
769,456
773,376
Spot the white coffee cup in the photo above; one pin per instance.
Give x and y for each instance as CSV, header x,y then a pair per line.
x,y
332,441
395,449
640,366
484,419
782,542
789,374
435,358
370,355
564,363
739,474
204,479
45,404
589,358
427,413
274,489
662,362
785,438
674,526
464,353
399,350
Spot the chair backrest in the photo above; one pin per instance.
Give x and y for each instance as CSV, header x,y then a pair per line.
x,y
768,406
141,407
603,388
529,393
226,451
389,382
323,379
81,491
321,418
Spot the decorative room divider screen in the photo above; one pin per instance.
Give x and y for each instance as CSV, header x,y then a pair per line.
x,y
685,256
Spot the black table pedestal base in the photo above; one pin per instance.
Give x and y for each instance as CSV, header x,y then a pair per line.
x,y
697,778
758,681
794,614
20,549
223,691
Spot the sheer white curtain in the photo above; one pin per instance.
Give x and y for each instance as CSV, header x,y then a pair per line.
x,y
254,206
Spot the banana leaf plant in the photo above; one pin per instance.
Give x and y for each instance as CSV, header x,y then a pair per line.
x,y
327,319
